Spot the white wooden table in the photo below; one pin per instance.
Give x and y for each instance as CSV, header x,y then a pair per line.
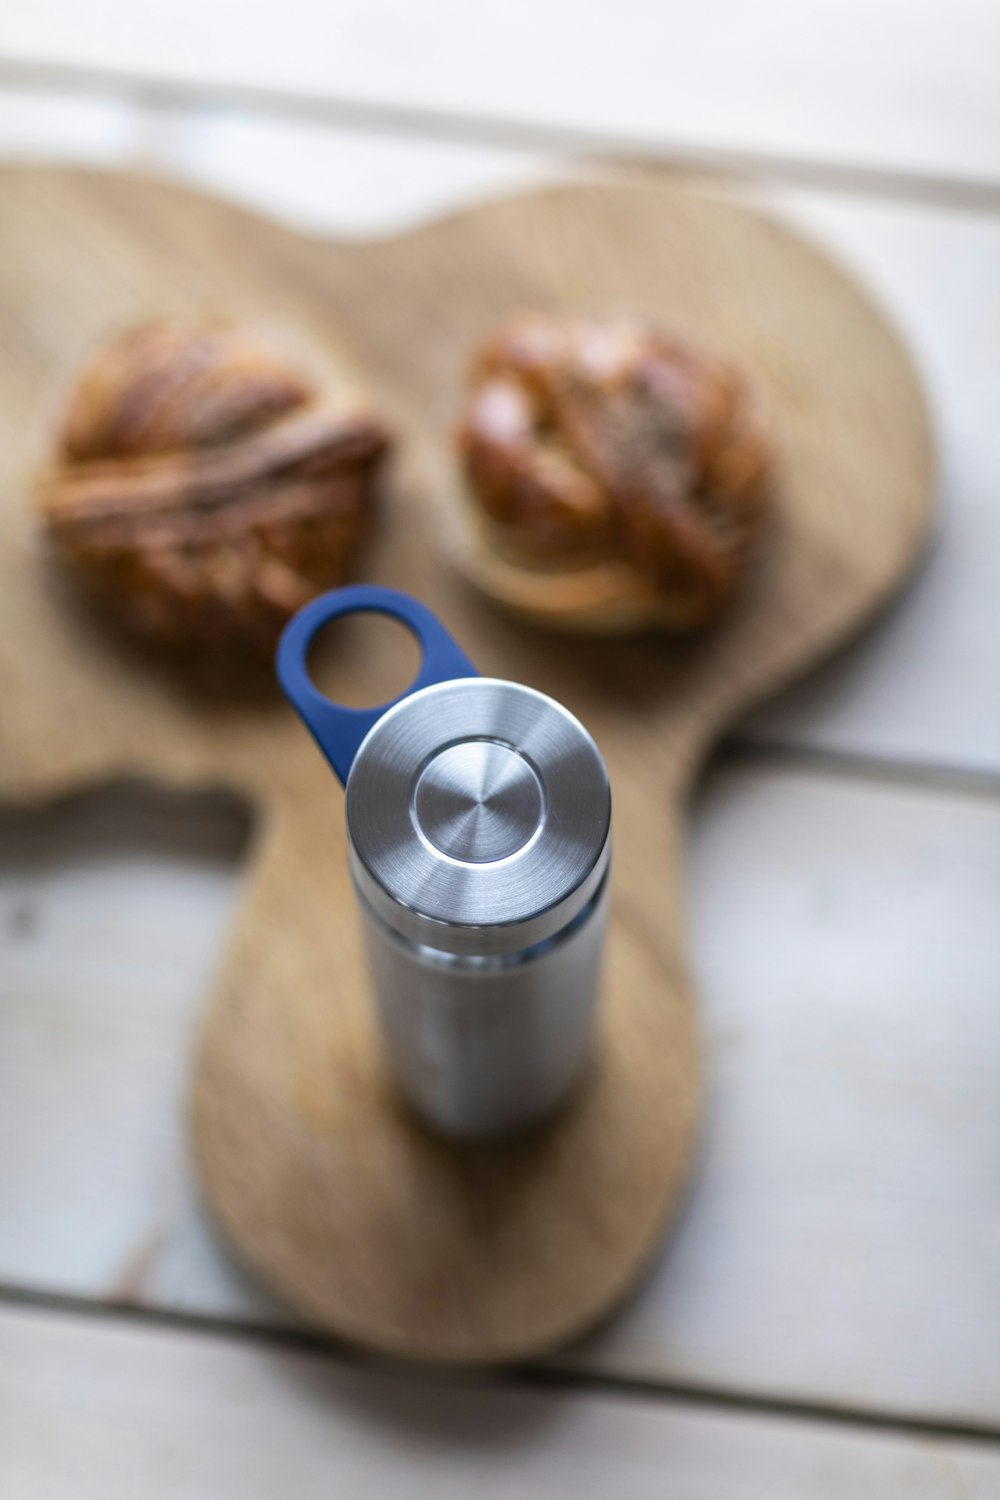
x,y
826,1319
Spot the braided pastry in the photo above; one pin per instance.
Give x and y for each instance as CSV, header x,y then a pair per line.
x,y
617,475
203,488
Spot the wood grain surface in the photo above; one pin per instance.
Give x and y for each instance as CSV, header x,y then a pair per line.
x,y
355,1215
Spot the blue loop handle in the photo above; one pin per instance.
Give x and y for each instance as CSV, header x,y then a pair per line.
x,y
338,730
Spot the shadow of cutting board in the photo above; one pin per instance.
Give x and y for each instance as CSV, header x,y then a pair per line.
x,y
345,1206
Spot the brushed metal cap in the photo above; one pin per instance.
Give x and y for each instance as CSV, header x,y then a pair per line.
x,y
478,813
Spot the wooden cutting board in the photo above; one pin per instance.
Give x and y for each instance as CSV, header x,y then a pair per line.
x,y
365,1223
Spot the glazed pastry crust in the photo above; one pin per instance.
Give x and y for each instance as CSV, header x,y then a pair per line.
x,y
204,488
617,453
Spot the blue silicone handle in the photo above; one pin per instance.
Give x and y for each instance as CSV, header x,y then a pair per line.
x,y
338,730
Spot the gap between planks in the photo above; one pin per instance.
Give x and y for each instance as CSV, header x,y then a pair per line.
x,y
593,149
708,1398
853,765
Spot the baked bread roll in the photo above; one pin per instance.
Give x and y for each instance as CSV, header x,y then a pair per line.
x,y
204,488
616,475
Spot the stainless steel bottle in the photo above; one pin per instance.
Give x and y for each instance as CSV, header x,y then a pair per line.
x,y
478,817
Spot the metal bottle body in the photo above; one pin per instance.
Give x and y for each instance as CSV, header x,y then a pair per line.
x,y
482,1047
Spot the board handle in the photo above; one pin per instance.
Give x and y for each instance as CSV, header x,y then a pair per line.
x,y
339,730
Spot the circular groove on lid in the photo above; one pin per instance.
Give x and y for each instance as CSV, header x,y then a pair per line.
x,y
477,801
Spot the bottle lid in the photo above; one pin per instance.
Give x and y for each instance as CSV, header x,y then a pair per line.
x,y
479,813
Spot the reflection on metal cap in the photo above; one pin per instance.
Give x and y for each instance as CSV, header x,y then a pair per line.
x,y
478,813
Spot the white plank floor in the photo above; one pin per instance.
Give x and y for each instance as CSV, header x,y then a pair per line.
x,y
841,1244
924,685
842,1237
111,1412
880,83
